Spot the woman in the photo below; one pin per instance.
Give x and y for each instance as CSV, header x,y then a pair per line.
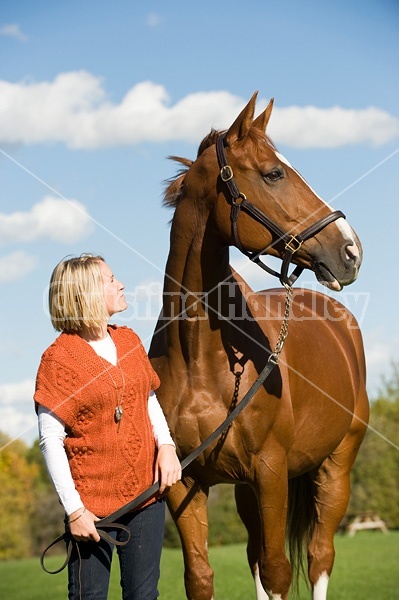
x,y
103,434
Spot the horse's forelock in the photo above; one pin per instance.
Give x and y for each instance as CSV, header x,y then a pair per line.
x,y
257,135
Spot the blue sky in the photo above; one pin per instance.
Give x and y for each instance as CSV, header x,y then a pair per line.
x,y
93,98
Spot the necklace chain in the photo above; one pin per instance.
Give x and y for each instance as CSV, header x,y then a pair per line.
x,y
118,414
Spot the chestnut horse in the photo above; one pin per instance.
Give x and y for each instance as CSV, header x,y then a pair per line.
x,y
289,453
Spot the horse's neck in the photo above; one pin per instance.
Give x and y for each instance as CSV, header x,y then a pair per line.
x,y
196,258
207,306
197,263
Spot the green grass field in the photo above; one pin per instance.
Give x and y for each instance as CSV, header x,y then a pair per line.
x,y
366,566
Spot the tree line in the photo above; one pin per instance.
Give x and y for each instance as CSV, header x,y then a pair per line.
x,y
31,516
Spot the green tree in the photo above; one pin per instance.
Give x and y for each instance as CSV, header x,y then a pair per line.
x,y
47,514
375,475
225,526
17,479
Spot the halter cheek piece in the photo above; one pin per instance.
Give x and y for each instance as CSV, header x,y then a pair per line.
x,y
292,242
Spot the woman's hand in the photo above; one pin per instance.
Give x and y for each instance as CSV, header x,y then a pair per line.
x,y
167,467
82,526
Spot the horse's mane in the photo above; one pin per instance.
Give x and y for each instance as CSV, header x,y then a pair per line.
x,y
173,186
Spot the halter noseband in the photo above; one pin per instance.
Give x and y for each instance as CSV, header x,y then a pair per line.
x,y
292,242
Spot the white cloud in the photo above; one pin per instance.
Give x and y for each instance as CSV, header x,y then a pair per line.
x,y
19,424
309,126
13,30
16,265
60,220
74,109
17,414
17,393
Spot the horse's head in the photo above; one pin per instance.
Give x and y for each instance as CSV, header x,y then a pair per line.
x,y
264,206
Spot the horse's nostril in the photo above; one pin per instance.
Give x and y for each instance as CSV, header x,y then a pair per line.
x,y
352,254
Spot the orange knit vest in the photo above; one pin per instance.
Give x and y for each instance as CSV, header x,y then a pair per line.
x,y
110,467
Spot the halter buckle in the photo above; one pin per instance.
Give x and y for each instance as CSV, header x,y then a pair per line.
x,y
226,173
293,240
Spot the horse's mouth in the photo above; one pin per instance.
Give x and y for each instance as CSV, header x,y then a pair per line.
x,y
326,277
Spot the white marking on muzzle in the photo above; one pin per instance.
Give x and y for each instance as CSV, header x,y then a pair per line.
x,y
347,233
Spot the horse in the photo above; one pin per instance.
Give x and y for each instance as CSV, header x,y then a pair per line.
x,y
290,452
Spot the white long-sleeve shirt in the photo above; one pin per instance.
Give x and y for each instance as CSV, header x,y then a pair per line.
x,y
52,435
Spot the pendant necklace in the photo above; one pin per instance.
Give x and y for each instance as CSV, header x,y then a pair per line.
x,y
118,414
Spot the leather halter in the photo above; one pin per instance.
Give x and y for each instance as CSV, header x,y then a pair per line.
x,y
292,242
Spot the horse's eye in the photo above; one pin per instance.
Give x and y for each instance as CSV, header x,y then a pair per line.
x,y
273,175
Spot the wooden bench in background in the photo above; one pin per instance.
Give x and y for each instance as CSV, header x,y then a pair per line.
x,y
362,521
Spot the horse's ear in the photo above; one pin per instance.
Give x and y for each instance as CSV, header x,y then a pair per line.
x,y
243,122
263,119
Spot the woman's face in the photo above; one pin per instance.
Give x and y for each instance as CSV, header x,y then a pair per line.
x,y
113,291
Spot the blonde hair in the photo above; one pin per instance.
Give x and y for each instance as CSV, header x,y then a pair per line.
x,y
76,295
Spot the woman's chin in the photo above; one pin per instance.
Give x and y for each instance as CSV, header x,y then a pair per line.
x,y
122,305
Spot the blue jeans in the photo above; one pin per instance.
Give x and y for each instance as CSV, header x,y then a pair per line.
x,y
139,559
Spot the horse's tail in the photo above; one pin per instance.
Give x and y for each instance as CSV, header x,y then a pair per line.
x,y
301,520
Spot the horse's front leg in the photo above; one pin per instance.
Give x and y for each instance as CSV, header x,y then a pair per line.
x,y
271,488
187,505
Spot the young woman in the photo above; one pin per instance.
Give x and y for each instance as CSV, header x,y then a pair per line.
x,y
103,434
